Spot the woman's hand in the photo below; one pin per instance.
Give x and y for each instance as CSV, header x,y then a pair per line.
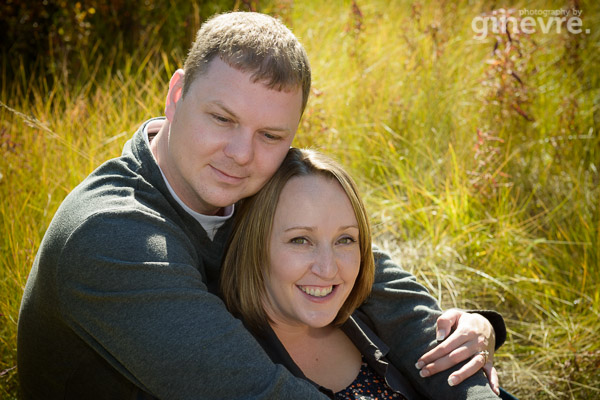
x,y
472,337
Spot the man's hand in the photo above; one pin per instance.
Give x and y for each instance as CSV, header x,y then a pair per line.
x,y
472,336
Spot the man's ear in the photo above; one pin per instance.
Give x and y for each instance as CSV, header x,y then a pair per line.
x,y
174,94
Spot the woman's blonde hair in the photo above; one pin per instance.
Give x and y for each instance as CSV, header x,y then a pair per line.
x,y
246,261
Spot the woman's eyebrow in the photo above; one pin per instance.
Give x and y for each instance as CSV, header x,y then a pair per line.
x,y
309,228
303,228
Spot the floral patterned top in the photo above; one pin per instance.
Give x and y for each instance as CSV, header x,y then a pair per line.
x,y
368,385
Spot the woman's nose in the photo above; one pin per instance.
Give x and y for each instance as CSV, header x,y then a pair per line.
x,y
325,265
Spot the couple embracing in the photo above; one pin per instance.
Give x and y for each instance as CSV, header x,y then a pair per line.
x,y
210,260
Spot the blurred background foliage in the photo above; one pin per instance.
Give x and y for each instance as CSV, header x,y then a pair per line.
x,y
53,34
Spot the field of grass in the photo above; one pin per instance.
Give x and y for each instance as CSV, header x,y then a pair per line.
x,y
478,158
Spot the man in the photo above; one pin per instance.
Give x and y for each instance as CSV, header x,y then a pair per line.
x,y
120,302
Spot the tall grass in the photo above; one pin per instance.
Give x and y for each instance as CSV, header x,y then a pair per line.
x,y
490,205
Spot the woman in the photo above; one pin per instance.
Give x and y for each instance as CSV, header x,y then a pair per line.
x,y
298,266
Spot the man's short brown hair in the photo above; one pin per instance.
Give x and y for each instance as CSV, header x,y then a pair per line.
x,y
251,42
247,259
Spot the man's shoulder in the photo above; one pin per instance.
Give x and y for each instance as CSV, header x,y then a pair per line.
x,y
125,233
118,197
114,186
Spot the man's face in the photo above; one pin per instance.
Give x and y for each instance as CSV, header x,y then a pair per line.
x,y
227,137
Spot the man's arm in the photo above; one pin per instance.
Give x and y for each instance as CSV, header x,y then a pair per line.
x,y
404,316
140,302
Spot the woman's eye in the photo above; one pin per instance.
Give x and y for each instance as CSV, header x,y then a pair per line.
x,y
299,240
347,240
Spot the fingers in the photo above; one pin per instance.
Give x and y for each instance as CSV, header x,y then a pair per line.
x,y
446,322
492,374
470,368
458,347
461,345
449,354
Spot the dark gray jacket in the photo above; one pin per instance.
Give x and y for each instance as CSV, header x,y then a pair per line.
x,y
117,305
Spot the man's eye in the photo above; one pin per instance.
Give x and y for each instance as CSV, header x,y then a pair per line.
x,y
271,136
220,118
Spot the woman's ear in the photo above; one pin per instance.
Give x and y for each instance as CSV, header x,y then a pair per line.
x,y
175,93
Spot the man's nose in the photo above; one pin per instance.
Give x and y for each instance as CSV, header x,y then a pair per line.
x,y
239,147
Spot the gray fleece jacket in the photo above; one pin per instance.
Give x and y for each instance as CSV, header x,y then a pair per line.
x,y
118,304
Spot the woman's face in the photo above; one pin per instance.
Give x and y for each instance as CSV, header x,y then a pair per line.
x,y
314,253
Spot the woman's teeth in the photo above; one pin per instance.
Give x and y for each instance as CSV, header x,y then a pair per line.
x,y
316,291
